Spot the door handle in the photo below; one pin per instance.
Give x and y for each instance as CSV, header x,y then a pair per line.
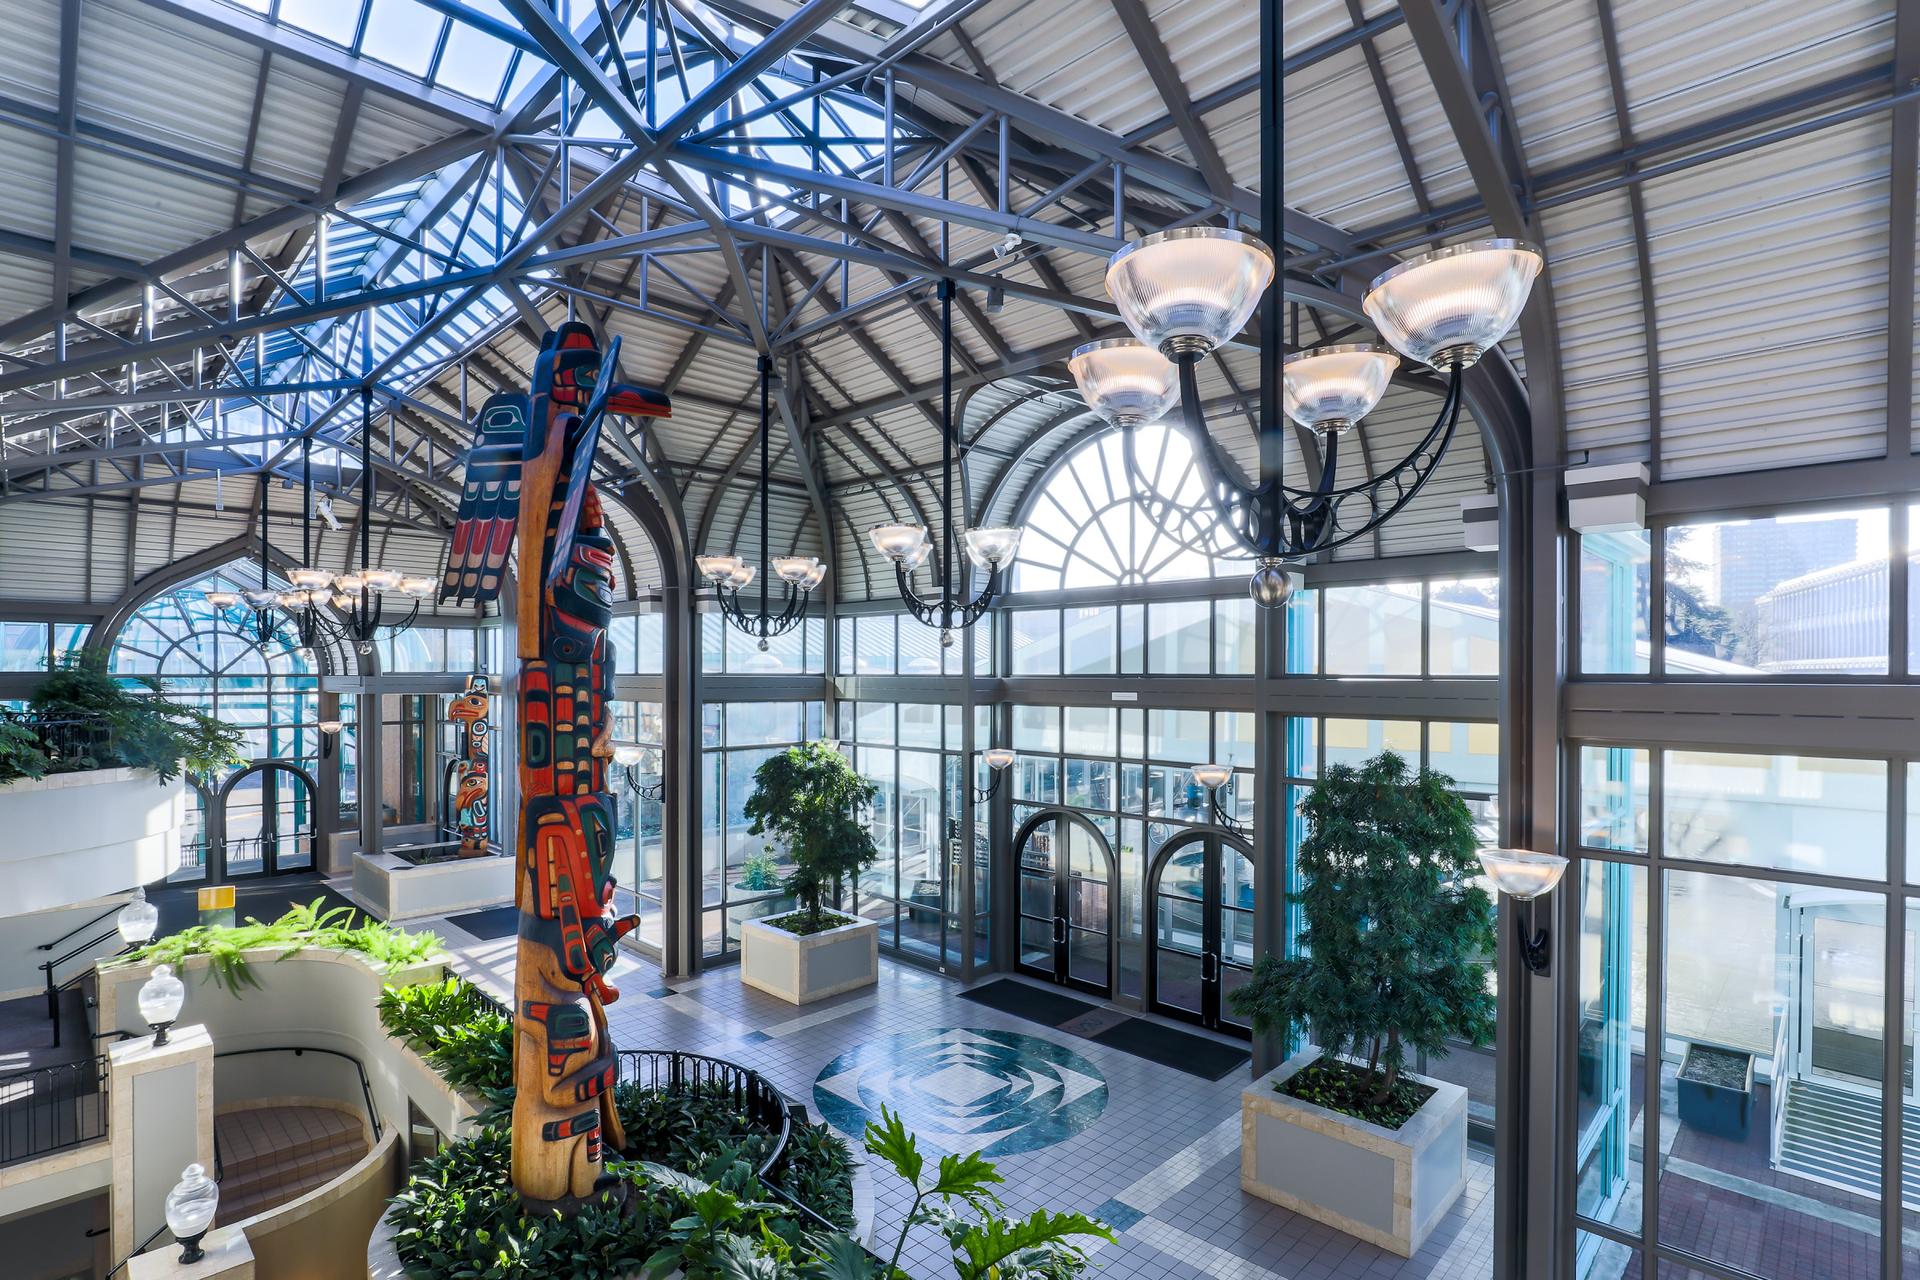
x,y
1209,967
1060,930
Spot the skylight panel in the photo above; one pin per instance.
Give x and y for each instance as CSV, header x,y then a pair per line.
x,y
403,34
473,63
335,20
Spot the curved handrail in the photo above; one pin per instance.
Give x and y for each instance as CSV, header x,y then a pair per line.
x,y
752,1092
366,1085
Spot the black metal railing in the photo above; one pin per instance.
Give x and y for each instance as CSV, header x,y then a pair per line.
x,y
138,1249
49,967
366,1087
480,1000
673,1071
70,743
49,1109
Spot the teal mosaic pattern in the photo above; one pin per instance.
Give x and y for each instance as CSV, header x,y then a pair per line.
x,y
965,1089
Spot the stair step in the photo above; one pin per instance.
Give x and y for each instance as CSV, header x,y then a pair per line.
x,y
232,1167
253,1197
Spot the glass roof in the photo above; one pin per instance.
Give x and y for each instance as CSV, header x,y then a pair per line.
x,y
412,38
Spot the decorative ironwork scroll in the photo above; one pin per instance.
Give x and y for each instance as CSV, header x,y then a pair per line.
x,y
529,480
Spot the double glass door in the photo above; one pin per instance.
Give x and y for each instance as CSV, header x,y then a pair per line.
x,y
1066,883
1202,894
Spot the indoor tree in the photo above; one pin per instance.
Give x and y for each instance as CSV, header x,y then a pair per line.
x,y
1391,955
810,798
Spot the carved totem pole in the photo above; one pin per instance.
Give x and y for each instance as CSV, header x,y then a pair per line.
x,y
529,477
469,710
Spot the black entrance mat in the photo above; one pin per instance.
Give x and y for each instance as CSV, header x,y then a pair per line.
x,y
494,922
1181,1050
1023,1001
265,900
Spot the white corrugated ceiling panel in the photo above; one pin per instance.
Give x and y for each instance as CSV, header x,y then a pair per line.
x,y
1682,63
1603,352
166,78
1556,71
1770,288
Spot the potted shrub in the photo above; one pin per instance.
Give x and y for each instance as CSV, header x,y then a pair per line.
x,y
809,798
1715,1090
1390,962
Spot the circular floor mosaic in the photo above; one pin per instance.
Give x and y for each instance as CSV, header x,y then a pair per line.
x,y
964,1089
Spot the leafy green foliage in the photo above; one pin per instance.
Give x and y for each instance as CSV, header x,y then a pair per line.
x,y
226,946
760,873
818,1172
1395,925
810,798
137,730
20,753
985,1244
470,1045
459,1216
1343,1087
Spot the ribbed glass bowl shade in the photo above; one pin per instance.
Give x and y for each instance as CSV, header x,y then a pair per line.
x,y
1449,307
1123,381
627,753
795,569
898,542
1211,775
1197,283
741,576
222,599
815,576
310,579
997,757
1335,384
991,546
1523,873
716,568
382,579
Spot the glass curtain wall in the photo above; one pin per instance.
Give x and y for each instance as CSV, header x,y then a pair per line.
x,y
640,866
741,873
913,752
1744,913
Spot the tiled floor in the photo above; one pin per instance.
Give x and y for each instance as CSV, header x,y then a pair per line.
x,y
1160,1161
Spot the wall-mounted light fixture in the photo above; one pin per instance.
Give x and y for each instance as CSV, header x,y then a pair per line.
x,y
1213,777
1523,875
996,759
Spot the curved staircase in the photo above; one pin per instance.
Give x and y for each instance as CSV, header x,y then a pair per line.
x,y
268,1155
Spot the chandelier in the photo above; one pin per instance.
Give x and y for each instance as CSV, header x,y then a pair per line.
x,y
909,546
730,574
259,621
356,597
1185,292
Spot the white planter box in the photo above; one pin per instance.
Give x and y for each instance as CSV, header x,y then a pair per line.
x,y
1389,1187
804,969
70,837
395,889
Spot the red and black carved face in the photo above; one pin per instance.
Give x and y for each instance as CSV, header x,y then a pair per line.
x,y
583,597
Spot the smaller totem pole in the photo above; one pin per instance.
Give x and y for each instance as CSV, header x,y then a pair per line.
x,y
529,481
470,777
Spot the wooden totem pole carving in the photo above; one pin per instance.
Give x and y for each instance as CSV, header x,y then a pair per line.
x,y
469,711
529,477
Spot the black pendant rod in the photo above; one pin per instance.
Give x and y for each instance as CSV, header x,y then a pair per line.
x,y
766,565
265,477
1273,426
946,453
306,502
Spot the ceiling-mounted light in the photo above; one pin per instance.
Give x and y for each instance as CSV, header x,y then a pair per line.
x,y
1125,382
1186,292
910,545
1449,307
799,574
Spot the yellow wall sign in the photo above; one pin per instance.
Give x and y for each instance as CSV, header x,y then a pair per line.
x,y
217,897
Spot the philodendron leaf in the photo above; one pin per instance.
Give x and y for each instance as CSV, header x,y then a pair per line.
x,y
890,1140
981,1249
839,1258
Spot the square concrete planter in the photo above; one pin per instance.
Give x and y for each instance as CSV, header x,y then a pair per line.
x,y
800,969
1389,1187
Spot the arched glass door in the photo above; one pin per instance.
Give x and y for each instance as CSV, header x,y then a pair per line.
x,y
1202,895
1066,900
266,822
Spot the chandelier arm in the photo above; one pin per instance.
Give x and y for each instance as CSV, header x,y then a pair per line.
x,y
1251,515
1449,410
1407,477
